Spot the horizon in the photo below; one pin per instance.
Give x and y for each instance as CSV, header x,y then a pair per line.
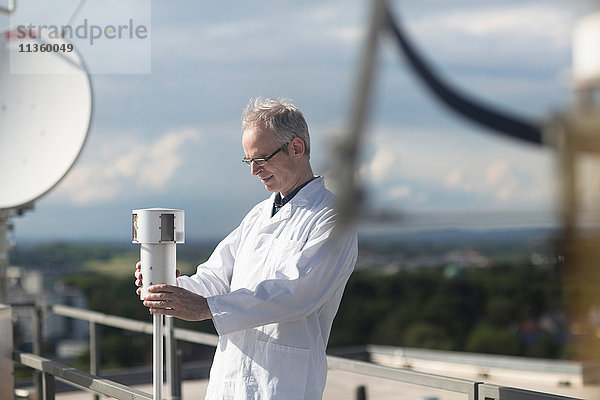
x,y
365,234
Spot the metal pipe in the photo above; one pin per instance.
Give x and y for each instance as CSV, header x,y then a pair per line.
x,y
171,360
49,386
346,150
7,371
157,357
94,352
80,379
4,228
37,333
361,392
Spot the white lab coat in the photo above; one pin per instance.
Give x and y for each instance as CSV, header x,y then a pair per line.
x,y
274,286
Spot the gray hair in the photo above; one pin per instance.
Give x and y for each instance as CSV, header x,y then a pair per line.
x,y
281,117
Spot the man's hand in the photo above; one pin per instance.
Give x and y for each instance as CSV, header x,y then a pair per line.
x,y
177,302
138,277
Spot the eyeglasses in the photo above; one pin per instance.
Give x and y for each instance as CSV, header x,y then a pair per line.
x,y
263,160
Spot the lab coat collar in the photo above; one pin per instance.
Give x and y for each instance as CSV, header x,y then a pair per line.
x,y
300,199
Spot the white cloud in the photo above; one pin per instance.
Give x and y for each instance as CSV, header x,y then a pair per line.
x,y
501,174
288,34
348,34
399,192
524,34
454,177
457,179
504,193
545,22
125,164
159,160
495,172
381,164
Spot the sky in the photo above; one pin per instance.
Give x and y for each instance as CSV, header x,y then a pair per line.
x,y
166,131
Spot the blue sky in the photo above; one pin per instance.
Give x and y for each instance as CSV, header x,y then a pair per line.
x,y
172,137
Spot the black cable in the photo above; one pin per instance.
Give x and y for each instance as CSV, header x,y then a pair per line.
x,y
499,121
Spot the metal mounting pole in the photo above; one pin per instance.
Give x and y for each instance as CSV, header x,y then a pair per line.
x,y
38,337
347,148
4,228
171,361
6,350
157,356
94,352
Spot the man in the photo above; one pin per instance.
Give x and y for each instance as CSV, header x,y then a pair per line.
x,y
273,286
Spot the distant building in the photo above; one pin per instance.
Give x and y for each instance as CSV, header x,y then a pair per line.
x,y
34,286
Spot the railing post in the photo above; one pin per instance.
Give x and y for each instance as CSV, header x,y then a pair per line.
x,y
173,376
94,352
37,332
6,350
49,386
361,392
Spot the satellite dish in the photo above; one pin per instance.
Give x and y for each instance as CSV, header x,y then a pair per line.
x,y
45,114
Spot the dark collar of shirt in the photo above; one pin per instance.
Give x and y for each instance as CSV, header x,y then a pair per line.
x,y
279,202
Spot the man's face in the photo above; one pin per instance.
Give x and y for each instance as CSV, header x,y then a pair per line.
x,y
280,173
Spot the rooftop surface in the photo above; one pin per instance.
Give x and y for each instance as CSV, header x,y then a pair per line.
x,y
343,385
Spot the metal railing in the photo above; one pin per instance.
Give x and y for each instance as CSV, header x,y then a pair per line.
x,y
457,385
95,384
473,390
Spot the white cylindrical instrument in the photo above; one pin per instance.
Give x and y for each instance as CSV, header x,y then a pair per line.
x,y
157,230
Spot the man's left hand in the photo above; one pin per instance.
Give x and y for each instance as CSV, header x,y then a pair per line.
x,y
177,302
